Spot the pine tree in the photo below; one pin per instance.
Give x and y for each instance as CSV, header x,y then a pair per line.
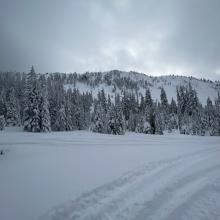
x,y
202,121
68,108
56,96
111,120
173,107
103,100
158,122
62,123
119,120
31,110
2,104
142,106
148,99
2,122
132,121
152,122
115,120
148,105
181,106
164,109
125,105
52,101
99,123
163,98
190,100
109,102
211,119
12,113
44,114
79,116
79,111
86,108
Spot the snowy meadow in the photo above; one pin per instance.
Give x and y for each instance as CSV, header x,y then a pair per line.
x,y
85,175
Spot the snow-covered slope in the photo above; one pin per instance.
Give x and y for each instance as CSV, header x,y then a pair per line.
x,y
137,82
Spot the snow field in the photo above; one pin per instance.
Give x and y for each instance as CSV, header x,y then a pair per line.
x,y
83,175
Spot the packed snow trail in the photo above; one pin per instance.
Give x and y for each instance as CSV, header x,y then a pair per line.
x,y
166,189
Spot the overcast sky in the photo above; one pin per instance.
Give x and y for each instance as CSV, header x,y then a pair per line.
x,y
151,36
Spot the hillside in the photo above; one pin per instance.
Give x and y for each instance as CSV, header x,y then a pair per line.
x,y
118,81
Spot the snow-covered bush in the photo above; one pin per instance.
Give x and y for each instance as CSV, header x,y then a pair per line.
x,y
146,127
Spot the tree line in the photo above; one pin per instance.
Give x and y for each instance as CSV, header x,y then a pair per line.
x,y
40,103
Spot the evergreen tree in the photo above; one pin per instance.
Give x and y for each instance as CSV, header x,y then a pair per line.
x,y
125,105
148,99
158,122
56,96
52,100
12,113
181,107
115,120
142,107
173,107
62,123
202,121
99,121
109,102
103,101
119,120
163,99
111,120
2,122
211,119
132,121
44,114
164,108
80,110
68,108
148,105
31,110
79,116
2,104
86,108
152,122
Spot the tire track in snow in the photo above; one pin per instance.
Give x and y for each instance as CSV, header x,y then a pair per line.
x,y
130,200
132,193
174,195
202,205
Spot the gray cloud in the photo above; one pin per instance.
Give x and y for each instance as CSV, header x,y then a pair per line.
x,y
155,37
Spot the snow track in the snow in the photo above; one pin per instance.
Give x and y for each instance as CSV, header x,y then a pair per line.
x,y
159,190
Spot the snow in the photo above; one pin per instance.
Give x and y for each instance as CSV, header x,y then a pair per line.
x,y
84,175
204,89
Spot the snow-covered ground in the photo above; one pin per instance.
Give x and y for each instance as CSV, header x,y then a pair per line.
x,y
83,175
